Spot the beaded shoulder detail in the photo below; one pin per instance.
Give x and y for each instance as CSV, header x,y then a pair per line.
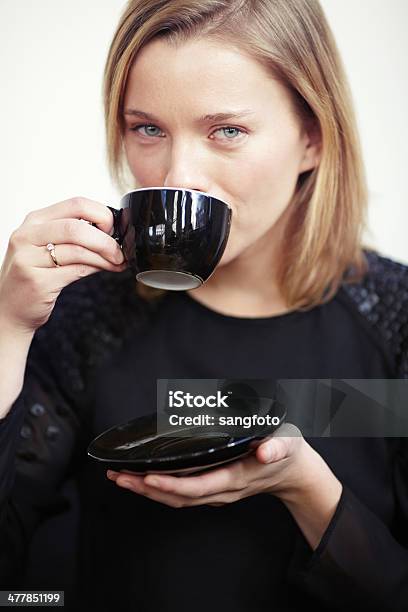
x,y
91,320
382,298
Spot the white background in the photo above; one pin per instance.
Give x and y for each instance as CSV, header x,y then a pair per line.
x,y
52,55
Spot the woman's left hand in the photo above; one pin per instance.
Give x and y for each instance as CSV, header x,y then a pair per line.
x,y
280,465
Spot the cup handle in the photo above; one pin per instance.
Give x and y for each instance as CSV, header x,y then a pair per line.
x,y
117,215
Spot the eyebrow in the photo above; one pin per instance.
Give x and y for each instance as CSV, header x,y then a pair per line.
x,y
203,119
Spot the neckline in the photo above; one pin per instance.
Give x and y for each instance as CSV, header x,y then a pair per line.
x,y
236,320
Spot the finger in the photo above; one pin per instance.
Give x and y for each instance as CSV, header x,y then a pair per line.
x,y
75,208
288,430
137,485
74,231
124,477
112,475
171,499
279,445
211,483
67,254
58,278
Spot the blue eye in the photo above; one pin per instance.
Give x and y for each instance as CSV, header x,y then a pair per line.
x,y
226,129
137,128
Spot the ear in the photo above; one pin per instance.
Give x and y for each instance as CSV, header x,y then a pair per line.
x,y
312,145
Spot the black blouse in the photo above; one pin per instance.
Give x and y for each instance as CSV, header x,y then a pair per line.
x,y
95,364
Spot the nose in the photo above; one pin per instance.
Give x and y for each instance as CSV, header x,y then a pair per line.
x,y
186,172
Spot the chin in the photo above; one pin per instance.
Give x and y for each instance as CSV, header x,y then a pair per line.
x,y
231,252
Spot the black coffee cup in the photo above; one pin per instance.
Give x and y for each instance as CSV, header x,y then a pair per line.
x,y
172,238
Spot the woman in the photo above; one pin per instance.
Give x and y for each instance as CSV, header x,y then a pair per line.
x,y
246,100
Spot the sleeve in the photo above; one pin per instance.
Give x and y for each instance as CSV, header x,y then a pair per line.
x,y
40,446
43,438
360,563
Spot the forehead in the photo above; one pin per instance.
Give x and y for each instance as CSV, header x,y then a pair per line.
x,y
198,70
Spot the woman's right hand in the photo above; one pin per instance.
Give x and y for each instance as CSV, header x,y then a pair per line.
x,y
30,282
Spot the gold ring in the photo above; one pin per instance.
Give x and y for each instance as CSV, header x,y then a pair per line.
x,y
51,249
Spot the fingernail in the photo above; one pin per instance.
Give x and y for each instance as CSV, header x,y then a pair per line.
x,y
153,482
127,484
112,475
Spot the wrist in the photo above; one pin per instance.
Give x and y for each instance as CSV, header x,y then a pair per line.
x,y
11,330
314,497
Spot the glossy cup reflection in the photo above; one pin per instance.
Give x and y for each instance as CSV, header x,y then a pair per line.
x,y
172,238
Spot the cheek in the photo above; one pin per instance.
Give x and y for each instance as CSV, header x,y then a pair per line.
x,y
261,193
144,165
267,183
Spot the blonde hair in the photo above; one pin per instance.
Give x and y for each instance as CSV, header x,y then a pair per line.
x,y
292,39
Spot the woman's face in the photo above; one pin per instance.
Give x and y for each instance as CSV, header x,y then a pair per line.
x,y
251,161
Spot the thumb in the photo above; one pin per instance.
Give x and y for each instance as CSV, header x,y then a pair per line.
x,y
280,444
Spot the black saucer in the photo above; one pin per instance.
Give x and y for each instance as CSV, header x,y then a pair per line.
x,y
136,446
